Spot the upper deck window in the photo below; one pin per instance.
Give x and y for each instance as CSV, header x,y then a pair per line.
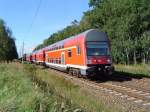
x,y
97,49
78,50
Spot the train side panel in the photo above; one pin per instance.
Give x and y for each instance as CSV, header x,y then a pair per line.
x,y
70,56
75,52
40,57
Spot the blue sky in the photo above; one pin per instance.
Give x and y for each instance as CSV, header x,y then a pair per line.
x,y
53,15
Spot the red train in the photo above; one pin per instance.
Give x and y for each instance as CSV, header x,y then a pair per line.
x,y
85,54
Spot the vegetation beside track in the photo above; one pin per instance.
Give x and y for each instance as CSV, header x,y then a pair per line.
x,y
19,93
134,70
33,89
69,92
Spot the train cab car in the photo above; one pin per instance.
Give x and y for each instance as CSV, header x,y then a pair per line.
x,y
98,53
85,54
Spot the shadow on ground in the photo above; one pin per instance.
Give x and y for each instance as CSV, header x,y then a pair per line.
x,y
119,77
116,77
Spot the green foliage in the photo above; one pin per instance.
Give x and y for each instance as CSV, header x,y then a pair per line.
x,y
126,22
133,70
80,98
19,94
7,43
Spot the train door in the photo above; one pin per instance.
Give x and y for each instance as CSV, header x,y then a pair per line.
x,y
63,58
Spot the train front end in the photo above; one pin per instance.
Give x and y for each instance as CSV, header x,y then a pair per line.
x,y
98,53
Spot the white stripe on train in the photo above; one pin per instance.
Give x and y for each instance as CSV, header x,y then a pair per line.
x,y
67,65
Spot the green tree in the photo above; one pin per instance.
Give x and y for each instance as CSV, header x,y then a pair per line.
x,y
124,21
7,43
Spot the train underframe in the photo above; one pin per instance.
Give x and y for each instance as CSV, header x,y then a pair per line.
x,y
92,71
98,70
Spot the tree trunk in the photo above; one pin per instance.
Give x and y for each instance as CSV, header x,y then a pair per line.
x,y
127,55
134,57
144,58
147,56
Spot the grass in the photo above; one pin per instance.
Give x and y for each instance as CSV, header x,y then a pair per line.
x,y
134,70
19,94
27,88
69,92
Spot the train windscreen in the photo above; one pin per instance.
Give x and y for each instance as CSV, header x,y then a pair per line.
x,y
98,49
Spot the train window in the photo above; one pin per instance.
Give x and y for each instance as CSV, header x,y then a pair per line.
x,y
59,61
69,53
97,49
56,60
78,50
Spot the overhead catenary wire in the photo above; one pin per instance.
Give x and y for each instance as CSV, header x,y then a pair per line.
x,y
32,23
35,16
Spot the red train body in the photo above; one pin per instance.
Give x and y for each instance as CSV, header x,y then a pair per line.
x,y
34,57
40,57
29,58
85,54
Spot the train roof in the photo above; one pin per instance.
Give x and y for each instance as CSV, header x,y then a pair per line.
x,y
95,35
89,35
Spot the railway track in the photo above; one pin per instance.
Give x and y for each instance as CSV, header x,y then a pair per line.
x,y
133,94
130,94
139,83
136,96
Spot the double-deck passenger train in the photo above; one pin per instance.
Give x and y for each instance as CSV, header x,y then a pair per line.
x,y
85,54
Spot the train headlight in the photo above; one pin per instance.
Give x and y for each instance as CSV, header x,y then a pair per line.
x,y
109,61
99,61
